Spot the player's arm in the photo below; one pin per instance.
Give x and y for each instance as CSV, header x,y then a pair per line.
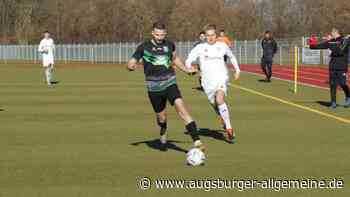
x,y
192,56
41,47
234,62
322,45
178,63
132,63
53,47
345,44
275,48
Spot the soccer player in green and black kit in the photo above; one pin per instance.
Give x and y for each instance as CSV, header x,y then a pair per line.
x,y
158,55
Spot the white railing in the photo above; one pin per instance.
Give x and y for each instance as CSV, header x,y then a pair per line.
x,y
247,52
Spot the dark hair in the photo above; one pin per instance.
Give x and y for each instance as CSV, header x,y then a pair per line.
x,y
268,32
158,25
222,30
210,27
200,33
336,30
46,32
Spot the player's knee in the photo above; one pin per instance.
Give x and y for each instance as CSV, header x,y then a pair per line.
x,y
161,117
220,98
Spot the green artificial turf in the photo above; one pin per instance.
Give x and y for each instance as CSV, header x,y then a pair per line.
x,y
95,134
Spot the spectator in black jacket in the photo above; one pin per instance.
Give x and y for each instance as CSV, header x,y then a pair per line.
x,y
269,47
338,65
201,39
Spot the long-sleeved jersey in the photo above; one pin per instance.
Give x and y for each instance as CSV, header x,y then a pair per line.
x,y
211,61
47,46
47,49
269,47
339,52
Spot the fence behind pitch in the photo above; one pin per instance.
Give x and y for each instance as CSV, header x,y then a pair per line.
x,y
247,52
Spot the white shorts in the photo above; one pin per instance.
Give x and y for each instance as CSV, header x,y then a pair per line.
x,y
212,88
48,61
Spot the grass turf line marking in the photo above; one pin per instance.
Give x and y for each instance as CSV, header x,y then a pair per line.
x,y
291,104
287,80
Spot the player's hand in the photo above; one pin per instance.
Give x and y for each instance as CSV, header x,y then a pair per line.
x,y
237,74
131,67
192,71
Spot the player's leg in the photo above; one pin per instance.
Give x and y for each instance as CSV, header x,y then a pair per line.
x,y
343,83
263,67
200,78
200,81
333,88
175,99
47,71
225,114
162,123
269,70
158,101
50,73
210,91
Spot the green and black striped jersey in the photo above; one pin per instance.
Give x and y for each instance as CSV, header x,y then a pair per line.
x,y
157,62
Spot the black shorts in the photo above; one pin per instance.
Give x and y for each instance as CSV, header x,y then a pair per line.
x,y
159,99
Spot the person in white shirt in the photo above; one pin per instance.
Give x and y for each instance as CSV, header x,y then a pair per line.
x,y
47,49
215,74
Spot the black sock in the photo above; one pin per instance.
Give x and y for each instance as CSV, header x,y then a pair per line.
x,y
192,129
163,126
333,91
346,91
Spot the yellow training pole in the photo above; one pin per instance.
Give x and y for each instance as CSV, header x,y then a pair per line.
x,y
296,60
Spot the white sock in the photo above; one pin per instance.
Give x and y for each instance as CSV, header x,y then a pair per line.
x,y
225,114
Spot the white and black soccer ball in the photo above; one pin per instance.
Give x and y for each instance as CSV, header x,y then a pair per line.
x,y
195,157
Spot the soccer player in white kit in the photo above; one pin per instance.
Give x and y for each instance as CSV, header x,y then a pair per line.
x,y
215,74
47,49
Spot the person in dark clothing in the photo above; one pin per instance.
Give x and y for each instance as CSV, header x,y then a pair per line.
x,y
338,65
200,41
269,47
158,55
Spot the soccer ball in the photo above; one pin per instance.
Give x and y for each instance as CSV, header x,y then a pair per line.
x,y
195,157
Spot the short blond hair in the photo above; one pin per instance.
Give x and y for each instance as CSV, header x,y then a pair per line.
x,y
209,27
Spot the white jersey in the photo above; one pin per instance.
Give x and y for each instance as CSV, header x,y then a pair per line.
x,y
214,72
47,49
211,61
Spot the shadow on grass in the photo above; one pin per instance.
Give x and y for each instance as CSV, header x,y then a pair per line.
x,y
55,82
324,103
198,89
215,134
262,80
157,145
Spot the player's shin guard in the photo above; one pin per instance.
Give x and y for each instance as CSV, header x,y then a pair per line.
x,y
225,114
192,130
